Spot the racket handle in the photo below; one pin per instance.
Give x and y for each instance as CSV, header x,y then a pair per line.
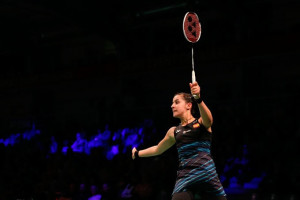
x,y
193,77
194,80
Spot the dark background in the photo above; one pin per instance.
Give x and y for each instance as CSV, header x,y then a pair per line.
x,y
78,65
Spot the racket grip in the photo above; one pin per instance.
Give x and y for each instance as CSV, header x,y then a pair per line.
x,y
193,77
193,81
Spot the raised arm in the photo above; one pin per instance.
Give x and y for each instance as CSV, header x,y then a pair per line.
x,y
158,149
206,116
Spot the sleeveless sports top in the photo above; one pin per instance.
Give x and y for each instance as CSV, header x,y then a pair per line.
x,y
196,166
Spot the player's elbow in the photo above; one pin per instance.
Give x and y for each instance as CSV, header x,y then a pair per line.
x,y
211,121
208,123
158,151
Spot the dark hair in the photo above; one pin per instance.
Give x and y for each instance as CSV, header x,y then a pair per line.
x,y
190,99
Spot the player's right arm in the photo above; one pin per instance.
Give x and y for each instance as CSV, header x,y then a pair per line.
x,y
167,142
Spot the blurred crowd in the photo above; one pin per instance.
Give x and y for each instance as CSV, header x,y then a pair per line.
x,y
99,166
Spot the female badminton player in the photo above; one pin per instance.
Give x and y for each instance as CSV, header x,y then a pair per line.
x,y
196,172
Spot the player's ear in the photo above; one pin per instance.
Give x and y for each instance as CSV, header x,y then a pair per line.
x,y
189,105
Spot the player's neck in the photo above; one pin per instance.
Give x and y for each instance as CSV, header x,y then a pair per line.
x,y
187,120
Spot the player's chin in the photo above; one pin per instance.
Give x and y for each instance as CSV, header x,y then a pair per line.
x,y
175,115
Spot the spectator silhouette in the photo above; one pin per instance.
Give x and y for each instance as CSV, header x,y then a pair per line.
x,y
82,193
80,145
95,194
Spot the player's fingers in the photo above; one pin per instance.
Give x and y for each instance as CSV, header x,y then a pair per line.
x,y
133,151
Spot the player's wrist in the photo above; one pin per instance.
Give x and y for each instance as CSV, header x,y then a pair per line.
x,y
196,96
197,99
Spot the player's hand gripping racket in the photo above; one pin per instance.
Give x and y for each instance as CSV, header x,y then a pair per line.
x,y
192,32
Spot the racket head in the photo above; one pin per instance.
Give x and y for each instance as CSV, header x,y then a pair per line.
x,y
191,27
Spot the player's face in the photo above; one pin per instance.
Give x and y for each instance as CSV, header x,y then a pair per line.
x,y
179,106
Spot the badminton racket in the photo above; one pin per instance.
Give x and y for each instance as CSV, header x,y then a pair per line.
x,y
192,33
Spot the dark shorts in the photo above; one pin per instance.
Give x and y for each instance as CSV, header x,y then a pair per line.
x,y
201,191
188,195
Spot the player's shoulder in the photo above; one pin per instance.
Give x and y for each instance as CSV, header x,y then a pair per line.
x,y
171,130
171,133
